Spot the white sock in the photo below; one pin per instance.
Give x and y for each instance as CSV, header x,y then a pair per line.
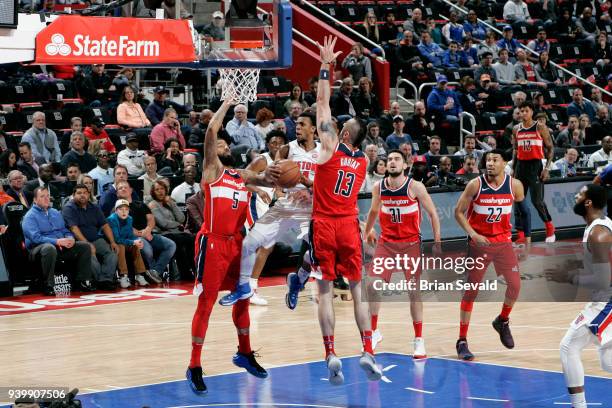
x,y
247,261
578,400
303,274
253,283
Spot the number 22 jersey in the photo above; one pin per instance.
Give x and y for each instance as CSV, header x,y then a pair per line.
x,y
490,211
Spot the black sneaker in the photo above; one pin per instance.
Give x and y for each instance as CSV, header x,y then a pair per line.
x,y
503,328
196,382
248,362
339,283
463,352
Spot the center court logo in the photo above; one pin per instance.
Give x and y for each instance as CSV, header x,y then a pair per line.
x,y
83,45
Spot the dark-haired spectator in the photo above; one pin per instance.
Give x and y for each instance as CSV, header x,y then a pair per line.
x,y
417,124
597,101
95,131
132,158
434,31
469,148
398,136
540,44
85,220
453,30
150,177
466,92
16,181
7,141
602,125
43,141
474,28
109,197
263,120
508,42
588,25
78,155
411,63
389,31
76,125
102,173
580,106
468,53
356,63
155,110
486,67
48,239
565,27
45,177
26,163
415,23
101,81
310,97
444,176
169,221
435,147
570,136
489,45
376,172
431,50
186,189
195,212
469,166
8,163
196,137
386,120
603,154
343,107
504,70
365,101
72,172
373,138
444,102
129,112
171,160
243,132
525,72
451,57
545,71
168,128
295,96
603,53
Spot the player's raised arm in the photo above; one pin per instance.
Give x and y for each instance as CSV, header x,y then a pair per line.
x,y
325,127
462,206
212,165
373,214
550,149
428,205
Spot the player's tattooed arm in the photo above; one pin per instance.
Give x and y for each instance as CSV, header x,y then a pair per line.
x,y
213,167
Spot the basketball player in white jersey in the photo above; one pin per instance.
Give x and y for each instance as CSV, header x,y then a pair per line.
x,y
292,211
260,204
594,324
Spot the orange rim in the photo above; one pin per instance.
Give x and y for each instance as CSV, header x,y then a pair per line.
x,y
247,44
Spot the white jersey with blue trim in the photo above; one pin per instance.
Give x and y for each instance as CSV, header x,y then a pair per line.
x,y
307,160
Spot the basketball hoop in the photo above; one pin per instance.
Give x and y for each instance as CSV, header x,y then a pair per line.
x,y
239,84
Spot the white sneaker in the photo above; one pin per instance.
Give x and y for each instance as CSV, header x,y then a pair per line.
x,y
376,338
551,238
124,281
257,300
419,348
368,364
334,365
140,280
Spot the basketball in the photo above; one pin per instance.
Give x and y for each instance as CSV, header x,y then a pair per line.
x,y
290,174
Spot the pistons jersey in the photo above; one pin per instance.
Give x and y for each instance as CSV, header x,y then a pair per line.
x,y
490,211
226,201
337,183
529,143
400,214
307,160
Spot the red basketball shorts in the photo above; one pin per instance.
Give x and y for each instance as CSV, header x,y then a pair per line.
x,y
217,260
336,248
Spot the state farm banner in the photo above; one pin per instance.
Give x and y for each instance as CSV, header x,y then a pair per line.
x,y
111,40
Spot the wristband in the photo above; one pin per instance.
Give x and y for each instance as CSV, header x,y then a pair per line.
x,y
324,74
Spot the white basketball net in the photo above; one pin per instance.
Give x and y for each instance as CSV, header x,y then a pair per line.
x,y
239,84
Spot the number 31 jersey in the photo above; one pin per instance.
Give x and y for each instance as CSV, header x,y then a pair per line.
x,y
400,215
337,183
490,211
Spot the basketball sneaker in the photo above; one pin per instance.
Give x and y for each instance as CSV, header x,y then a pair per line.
x,y
376,338
258,300
140,280
195,380
124,282
248,362
153,276
295,286
550,232
419,348
334,365
243,291
463,352
503,328
368,364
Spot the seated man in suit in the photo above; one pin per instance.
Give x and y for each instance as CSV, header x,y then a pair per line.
x,y
45,177
16,190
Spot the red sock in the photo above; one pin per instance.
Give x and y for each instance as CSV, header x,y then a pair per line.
x,y
244,343
521,235
366,340
374,322
505,312
550,228
328,343
418,328
196,355
463,329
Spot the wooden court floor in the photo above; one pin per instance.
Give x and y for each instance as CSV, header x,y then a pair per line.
x,y
125,344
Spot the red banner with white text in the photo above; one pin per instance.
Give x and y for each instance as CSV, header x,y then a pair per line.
x,y
111,40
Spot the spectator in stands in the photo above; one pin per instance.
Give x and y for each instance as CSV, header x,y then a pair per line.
x,y
597,100
171,161
565,27
489,45
157,108
603,53
76,125
195,212
588,25
434,31
580,106
451,57
435,145
343,107
168,128
466,92
369,29
88,182
189,187
603,154
7,141
415,23
216,28
525,72
469,148
8,163
444,102
486,67
516,11
506,74
72,172
26,163
310,97
431,50
102,173
376,172
43,180
386,120
95,131
506,140
78,155
149,177
109,197
476,30
190,159
243,132
371,152
101,80
373,138
84,220
602,125
125,77
444,176
570,136
398,136
281,126
365,101
420,171
43,141
545,71
48,239
157,250
295,96
120,223
390,32
491,141
169,221
469,166
411,64
508,42
406,149
417,125
586,130
567,164
468,53
264,118
606,98
196,137
453,30
356,63
129,112
540,44
132,158
16,181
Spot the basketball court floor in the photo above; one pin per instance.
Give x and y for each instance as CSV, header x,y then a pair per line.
x,y
133,352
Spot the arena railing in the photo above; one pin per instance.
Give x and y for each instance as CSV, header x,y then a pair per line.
x,y
463,131
401,80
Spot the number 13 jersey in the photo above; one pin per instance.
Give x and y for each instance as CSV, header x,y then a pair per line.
x,y
337,183
490,211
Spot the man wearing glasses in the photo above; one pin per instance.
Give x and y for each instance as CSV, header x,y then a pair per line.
x,y
103,173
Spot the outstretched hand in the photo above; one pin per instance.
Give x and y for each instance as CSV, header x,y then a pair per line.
x,y
327,50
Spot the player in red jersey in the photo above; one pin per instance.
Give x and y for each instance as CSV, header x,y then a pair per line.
x,y
218,246
487,201
397,202
334,231
531,140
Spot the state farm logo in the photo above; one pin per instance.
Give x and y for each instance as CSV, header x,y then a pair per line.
x,y
83,45
58,46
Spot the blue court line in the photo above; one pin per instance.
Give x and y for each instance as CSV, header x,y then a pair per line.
x,y
435,382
